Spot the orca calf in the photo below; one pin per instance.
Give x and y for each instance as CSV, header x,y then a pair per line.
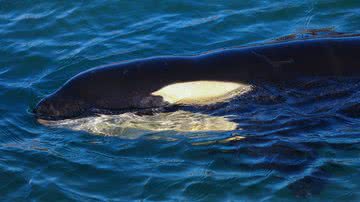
x,y
195,80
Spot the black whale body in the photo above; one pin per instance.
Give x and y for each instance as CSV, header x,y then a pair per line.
x,y
129,85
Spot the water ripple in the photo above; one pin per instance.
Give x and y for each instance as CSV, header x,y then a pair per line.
x,y
286,141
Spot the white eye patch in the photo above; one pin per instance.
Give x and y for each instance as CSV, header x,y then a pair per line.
x,y
201,92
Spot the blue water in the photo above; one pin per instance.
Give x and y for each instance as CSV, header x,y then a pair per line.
x,y
301,141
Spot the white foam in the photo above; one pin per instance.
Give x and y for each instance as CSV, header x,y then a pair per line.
x,y
129,125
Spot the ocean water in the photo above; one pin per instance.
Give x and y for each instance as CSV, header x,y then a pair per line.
x,y
299,141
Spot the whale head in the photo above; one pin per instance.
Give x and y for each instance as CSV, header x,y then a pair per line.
x,y
56,107
72,101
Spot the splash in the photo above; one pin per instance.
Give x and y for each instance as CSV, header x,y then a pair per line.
x,y
130,125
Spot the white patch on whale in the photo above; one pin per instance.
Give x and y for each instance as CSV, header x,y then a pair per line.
x,y
201,92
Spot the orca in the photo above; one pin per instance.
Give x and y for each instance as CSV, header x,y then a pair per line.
x,y
203,79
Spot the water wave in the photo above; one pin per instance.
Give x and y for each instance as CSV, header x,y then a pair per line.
x,y
293,141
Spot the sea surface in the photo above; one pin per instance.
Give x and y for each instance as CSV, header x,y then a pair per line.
x,y
288,142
